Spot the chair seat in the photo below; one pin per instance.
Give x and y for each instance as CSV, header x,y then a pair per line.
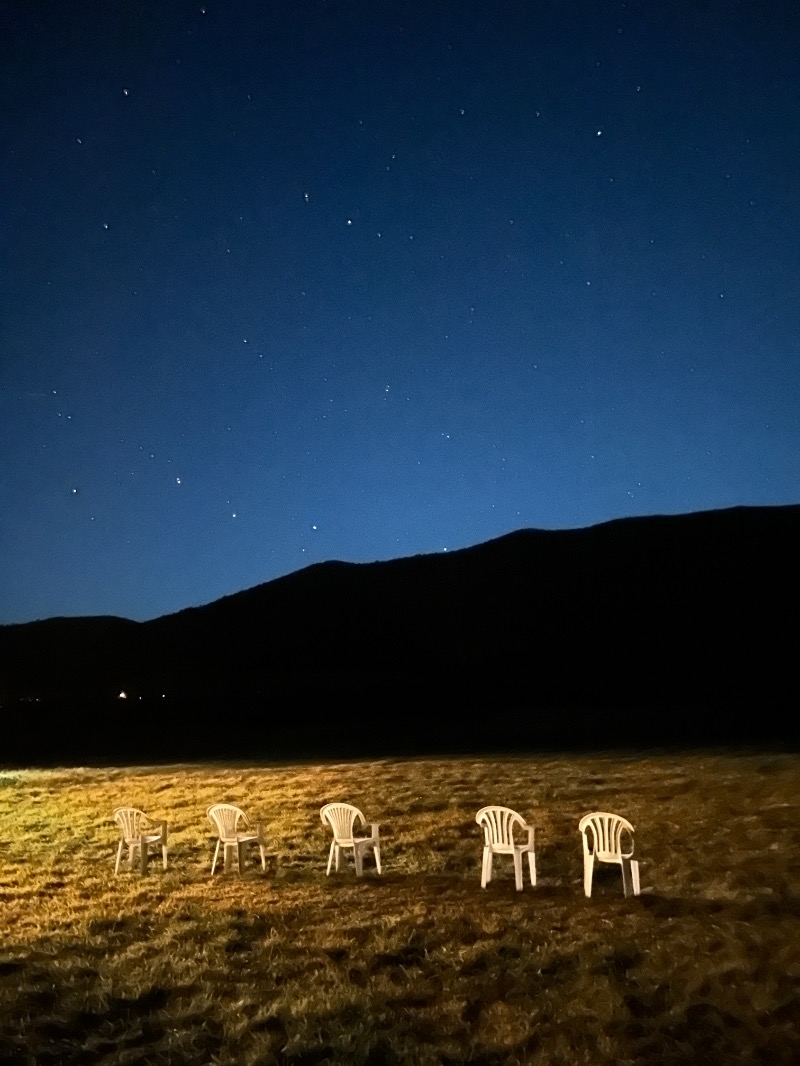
x,y
509,849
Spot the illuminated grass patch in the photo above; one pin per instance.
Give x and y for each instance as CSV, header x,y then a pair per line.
x,y
419,965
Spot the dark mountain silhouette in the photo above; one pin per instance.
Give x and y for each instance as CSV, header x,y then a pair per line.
x,y
646,631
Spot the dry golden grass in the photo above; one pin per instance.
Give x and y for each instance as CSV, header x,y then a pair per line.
x,y
419,965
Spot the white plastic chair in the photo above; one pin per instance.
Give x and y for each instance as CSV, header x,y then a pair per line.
x,y
606,832
341,817
139,833
234,831
498,829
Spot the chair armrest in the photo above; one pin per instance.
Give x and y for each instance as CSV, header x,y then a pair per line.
x,y
629,837
531,835
375,830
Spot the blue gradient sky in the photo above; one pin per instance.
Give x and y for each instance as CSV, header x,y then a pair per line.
x,y
311,280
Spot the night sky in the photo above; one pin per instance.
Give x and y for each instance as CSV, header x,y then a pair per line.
x,y
294,281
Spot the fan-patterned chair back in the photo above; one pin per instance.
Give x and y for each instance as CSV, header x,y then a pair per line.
x,y
227,820
341,817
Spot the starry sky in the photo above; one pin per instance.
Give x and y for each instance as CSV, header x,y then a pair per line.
x,y
351,279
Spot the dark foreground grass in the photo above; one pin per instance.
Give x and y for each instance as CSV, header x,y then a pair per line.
x,y
419,965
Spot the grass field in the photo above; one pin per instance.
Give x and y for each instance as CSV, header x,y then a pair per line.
x,y
419,965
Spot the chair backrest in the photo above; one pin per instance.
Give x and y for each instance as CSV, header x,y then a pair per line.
x,y
131,822
498,824
226,819
341,818
606,830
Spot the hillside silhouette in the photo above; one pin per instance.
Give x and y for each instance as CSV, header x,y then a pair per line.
x,y
654,630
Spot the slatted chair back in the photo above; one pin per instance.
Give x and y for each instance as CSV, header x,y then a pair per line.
x,y
341,817
606,831
227,820
498,825
132,823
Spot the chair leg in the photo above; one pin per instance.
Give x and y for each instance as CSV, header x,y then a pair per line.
x,y
240,856
358,855
119,855
336,860
588,864
532,867
263,858
164,855
487,873
143,856
214,860
377,850
630,880
330,857
227,857
518,870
